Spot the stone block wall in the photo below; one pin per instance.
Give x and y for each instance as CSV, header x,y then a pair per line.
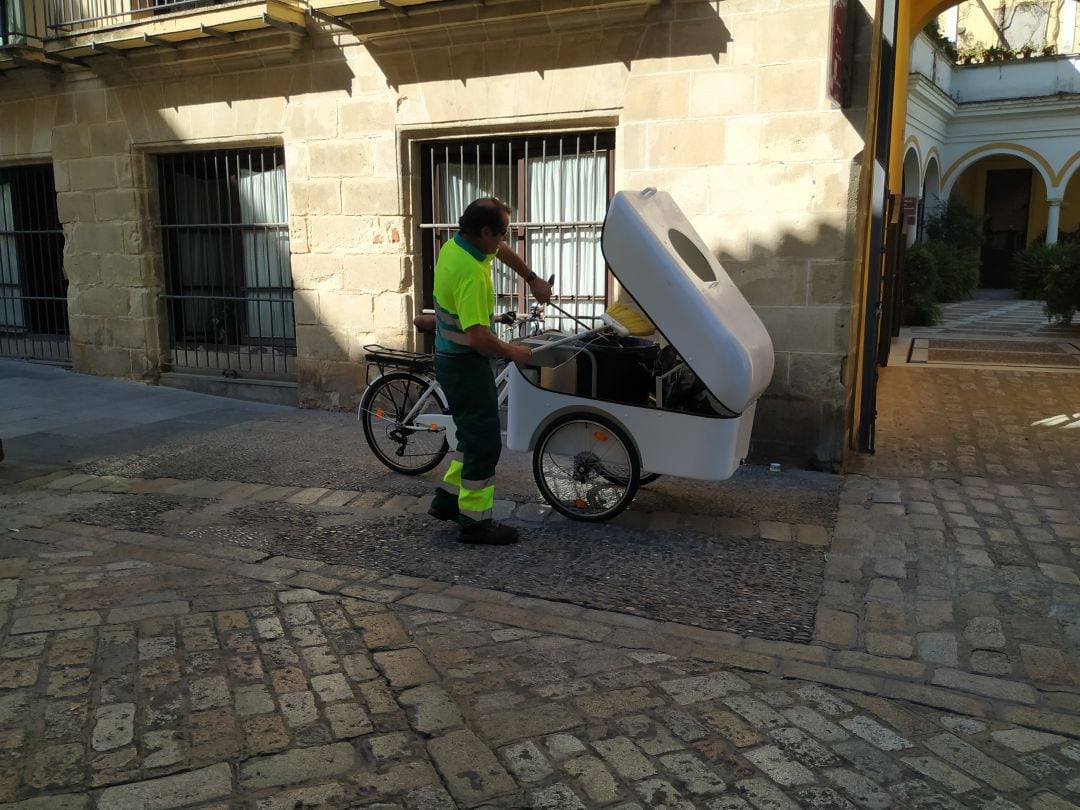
x,y
722,105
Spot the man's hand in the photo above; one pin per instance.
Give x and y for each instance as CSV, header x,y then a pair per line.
x,y
520,354
540,290
484,341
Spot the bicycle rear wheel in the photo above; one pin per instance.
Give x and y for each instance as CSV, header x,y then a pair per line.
x,y
407,449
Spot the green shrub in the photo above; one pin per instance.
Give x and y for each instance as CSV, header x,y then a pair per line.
x,y
956,224
1029,268
957,271
921,306
1061,292
955,237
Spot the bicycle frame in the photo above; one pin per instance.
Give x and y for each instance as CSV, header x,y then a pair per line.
x,y
417,420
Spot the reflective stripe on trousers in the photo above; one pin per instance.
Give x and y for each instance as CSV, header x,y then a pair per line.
x,y
469,385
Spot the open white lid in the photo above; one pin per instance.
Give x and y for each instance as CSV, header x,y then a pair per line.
x,y
656,254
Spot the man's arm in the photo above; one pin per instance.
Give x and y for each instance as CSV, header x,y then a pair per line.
x,y
539,288
484,341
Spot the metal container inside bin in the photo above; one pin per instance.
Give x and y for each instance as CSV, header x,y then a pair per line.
x,y
561,375
623,368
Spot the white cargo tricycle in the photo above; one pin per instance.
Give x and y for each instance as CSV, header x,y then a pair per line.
x,y
598,407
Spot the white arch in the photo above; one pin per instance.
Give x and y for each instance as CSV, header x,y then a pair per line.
x,y
1030,156
1068,172
912,173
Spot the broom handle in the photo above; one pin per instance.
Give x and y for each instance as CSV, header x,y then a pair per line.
x,y
568,315
557,308
570,338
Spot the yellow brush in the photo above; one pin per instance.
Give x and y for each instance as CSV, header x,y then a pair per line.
x,y
623,319
631,321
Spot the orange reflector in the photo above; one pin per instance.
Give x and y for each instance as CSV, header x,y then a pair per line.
x,y
433,426
379,412
600,436
580,504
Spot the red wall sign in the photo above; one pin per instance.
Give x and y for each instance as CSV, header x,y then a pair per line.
x,y
838,50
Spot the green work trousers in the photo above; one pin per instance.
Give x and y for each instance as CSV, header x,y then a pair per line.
x,y
469,385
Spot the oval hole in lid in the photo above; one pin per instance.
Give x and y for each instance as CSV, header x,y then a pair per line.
x,y
694,258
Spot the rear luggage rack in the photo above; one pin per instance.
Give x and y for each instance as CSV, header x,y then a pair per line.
x,y
386,358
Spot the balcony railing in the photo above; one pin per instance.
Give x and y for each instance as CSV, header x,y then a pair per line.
x,y
73,16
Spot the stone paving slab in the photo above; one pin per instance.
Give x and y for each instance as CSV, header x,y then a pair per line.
x,y
940,673
316,450
1006,426
859,643
753,586
337,701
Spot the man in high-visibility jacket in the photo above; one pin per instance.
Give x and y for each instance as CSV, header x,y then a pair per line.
x,y
464,344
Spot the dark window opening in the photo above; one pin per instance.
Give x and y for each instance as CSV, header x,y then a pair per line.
x,y
33,289
228,274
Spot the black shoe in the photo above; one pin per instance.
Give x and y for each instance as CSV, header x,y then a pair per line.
x,y
488,533
443,513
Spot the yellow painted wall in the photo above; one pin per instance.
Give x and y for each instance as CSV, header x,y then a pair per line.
x,y
1070,206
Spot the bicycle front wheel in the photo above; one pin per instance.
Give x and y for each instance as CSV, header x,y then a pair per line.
x,y
408,449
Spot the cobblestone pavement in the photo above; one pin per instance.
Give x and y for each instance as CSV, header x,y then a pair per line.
x,y
140,670
768,590
312,449
177,633
1002,426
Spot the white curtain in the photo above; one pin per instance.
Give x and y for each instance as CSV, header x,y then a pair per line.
x,y
569,189
463,183
267,261
11,309
459,185
560,189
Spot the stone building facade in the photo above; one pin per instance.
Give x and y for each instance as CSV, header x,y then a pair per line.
x,y
724,105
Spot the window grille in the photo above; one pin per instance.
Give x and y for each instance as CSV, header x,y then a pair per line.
x,y
228,274
557,187
33,289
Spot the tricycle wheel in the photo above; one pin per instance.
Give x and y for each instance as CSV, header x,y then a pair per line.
x,y
586,467
644,479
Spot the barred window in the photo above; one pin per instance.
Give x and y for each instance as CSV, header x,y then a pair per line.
x,y
557,187
33,289
12,22
225,243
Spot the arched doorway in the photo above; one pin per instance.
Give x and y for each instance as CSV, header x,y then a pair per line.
x,y
932,199
911,193
1009,192
1069,206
